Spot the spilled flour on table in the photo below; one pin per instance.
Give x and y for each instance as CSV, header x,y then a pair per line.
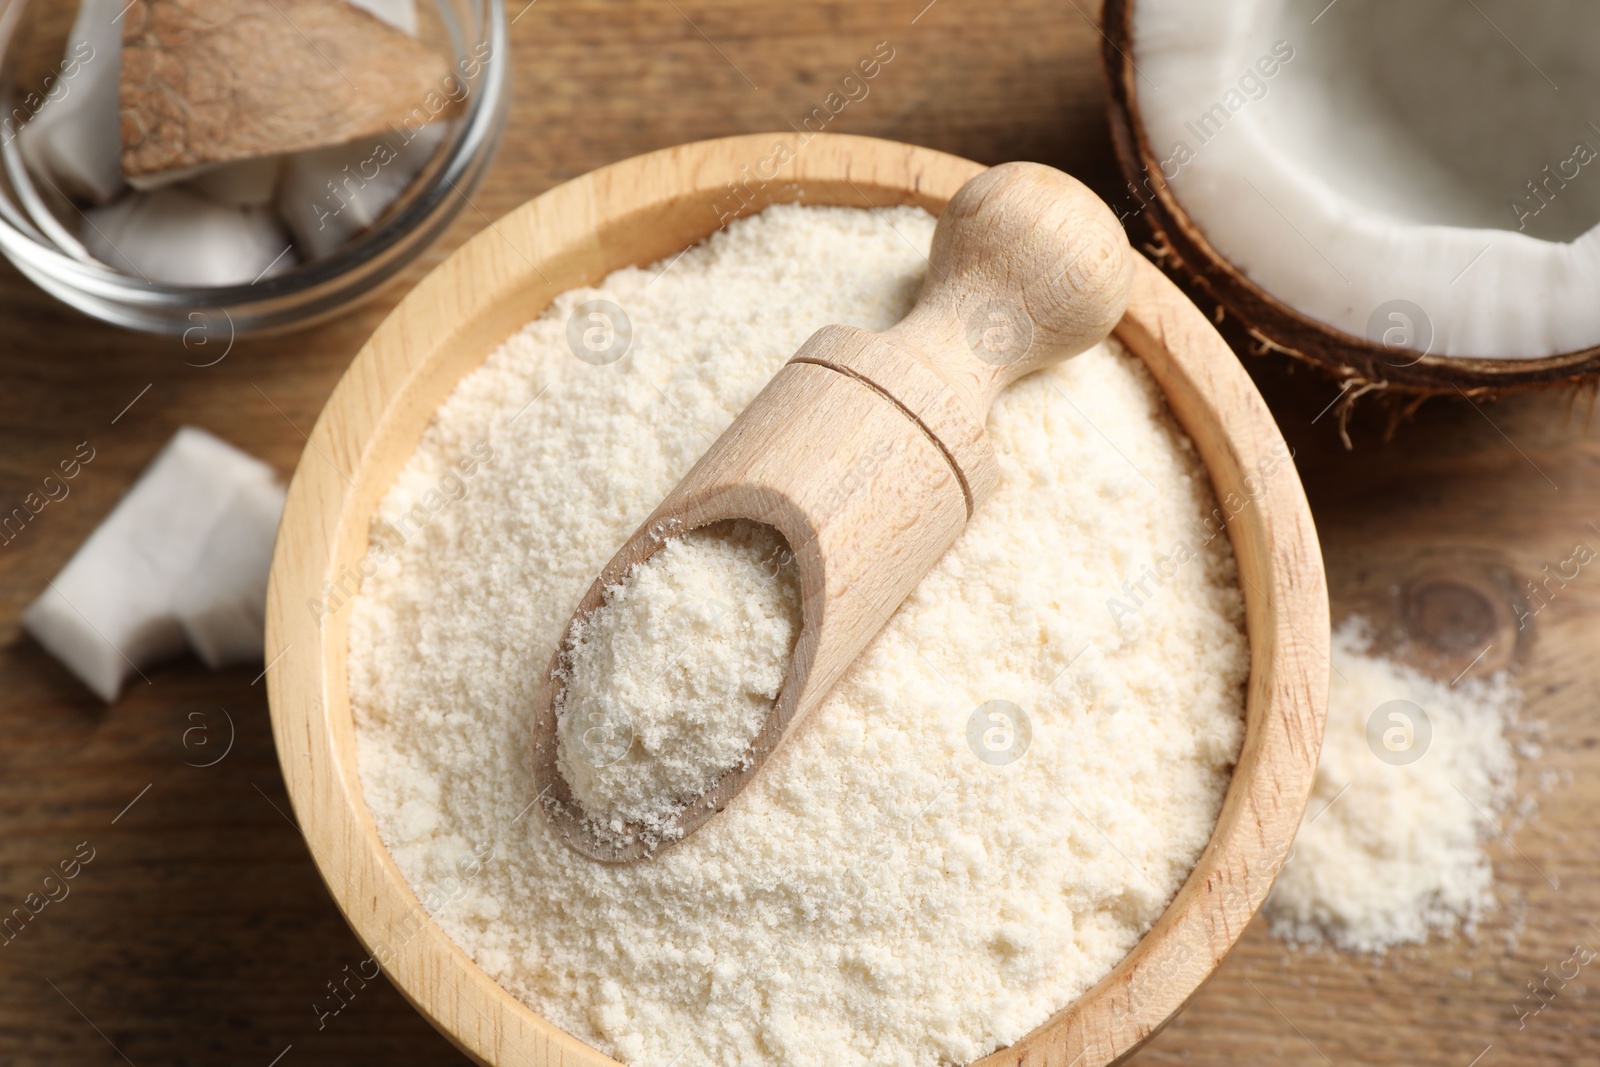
x,y
1414,780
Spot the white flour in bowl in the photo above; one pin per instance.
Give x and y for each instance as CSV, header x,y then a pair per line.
x,y
922,874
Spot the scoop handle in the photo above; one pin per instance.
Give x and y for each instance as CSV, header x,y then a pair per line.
x,y
868,453
1028,267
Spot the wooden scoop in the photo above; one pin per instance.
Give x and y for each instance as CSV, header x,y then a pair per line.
x,y
867,451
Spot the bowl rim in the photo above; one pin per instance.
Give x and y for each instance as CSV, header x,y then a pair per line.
x,y
639,211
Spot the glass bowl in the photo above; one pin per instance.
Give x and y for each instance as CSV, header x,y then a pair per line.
x,y
470,34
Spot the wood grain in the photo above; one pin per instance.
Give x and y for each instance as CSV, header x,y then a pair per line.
x,y
200,932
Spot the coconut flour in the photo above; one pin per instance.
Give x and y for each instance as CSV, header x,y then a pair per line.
x,y
673,676
989,810
1414,778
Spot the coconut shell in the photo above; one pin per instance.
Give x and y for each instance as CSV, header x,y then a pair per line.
x,y
215,81
1184,252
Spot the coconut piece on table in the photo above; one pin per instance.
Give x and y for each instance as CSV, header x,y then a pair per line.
x,y
72,140
113,608
176,237
215,81
221,603
328,196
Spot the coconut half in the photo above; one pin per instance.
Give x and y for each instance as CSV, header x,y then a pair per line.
x,y
1406,193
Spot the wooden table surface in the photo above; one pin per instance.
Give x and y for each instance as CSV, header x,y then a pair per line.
x,y
199,931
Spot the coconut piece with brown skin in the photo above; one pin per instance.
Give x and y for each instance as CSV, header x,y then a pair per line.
x,y
206,82
1397,193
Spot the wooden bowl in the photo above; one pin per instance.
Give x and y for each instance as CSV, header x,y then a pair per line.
x,y
643,210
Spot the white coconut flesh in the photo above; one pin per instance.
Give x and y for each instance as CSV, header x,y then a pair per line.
x,y
1432,156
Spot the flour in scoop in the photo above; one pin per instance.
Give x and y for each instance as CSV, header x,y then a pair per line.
x,y
992,806
672,677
